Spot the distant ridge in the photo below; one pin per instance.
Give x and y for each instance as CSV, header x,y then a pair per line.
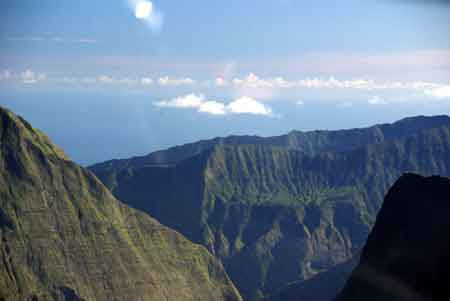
x,y
280,210
308,142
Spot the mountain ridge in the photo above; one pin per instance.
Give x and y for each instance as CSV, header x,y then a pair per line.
x,y
173,154
63,236
280,214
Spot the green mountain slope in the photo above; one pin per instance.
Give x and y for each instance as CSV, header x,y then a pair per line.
x,y
275,215
63,236
406,257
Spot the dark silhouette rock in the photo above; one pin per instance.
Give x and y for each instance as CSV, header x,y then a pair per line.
x,y
407,254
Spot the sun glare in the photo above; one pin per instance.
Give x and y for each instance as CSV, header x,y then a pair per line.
x,y
143,9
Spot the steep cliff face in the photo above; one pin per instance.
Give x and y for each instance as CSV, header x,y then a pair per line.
x,y
272,221
269,224
406,256
275,214
63,236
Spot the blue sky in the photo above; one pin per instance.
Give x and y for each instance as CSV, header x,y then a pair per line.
x,y
104,83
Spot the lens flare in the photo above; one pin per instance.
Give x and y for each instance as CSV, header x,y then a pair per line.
x,y
143,9
146,12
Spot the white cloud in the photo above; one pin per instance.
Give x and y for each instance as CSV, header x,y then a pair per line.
x,y
145,81
333,83
187,101
167,81
243,105
247,105
256,87
253,81
300,102
376,100
101,79
213,107
439,92
105,79
31,77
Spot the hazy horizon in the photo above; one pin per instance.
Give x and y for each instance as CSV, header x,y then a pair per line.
x,y
119,80
341,215
112,141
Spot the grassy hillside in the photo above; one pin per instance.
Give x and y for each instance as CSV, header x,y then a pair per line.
x,y
63,236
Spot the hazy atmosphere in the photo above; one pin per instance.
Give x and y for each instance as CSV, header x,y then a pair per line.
x,y
241,150
120,82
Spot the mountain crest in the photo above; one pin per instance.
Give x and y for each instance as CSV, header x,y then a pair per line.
x,y
63,236
16,130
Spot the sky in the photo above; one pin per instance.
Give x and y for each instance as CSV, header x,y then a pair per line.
x,y
115,79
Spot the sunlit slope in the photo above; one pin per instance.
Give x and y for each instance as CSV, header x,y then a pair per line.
x,y
65,237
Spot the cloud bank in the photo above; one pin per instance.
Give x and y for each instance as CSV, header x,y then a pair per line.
x,y
167,81
252,85
253,81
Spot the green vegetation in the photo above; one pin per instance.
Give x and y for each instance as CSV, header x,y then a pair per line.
x,y
280,209
63,236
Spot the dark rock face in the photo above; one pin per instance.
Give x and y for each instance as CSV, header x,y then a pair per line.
x,y
63,236
282,209
406,256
